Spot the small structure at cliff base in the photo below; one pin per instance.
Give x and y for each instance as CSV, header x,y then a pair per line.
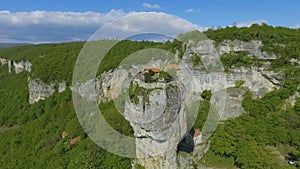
x,y
190,140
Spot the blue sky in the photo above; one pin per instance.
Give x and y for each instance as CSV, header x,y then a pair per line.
x,y
204,13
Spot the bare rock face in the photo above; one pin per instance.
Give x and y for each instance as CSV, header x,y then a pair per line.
x,y
293,98
89,89
273,77
62,87
39,90
103,88
257,81
18,66
9,65
253,48
3,61
110,84
295,61
233,106
22,66
158,119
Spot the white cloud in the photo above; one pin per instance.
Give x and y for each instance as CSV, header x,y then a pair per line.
x,y
296,26
57,18
55,26
191,10
151,6
249,23
146,22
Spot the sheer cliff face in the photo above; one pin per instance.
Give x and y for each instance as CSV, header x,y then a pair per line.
x,y
159,123
39,90
18,67
253,48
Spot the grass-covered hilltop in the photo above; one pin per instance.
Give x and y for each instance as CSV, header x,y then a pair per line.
x,y
46,133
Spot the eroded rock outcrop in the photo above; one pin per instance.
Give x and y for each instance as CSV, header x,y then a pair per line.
x,y
3,61
17,66
39,90
233,106
103,88
62,87
295,61
253,48
159,122
257,81
275,78
22,66
111,85
89,89
9,65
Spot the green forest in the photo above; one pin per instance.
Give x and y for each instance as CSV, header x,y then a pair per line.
x,y
32,135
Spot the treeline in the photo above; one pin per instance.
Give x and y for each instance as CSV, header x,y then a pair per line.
x,y
269,35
